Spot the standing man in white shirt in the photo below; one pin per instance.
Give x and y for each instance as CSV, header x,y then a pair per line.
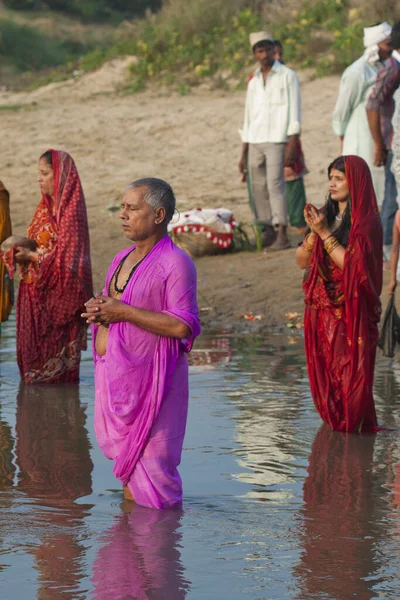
x,y
380,111
396,116
271,120
349,119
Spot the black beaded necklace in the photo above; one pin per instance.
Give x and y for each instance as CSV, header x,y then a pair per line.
x,y
117,272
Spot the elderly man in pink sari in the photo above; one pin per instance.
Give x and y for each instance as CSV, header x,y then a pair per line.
x,y
145,323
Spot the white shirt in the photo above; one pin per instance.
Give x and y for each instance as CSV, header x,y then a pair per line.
x,y
350,117
272,111
396,115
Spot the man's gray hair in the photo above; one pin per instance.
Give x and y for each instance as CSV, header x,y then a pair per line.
x,y
158,194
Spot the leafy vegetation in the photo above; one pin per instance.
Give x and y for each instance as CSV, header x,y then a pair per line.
x,y
27,48
89,9
185,42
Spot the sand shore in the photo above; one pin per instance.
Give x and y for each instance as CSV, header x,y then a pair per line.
x,y
191,141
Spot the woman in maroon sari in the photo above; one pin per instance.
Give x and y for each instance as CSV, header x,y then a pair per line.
x,y
50,331
342,257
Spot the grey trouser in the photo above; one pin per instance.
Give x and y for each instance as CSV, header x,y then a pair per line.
x,y
266,163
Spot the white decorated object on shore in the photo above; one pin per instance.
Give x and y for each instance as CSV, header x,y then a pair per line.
x,y
203,231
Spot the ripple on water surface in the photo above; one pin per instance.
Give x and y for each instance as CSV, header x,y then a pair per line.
x,y
276,506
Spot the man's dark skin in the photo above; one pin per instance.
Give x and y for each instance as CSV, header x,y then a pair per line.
x,y
264,53
380,152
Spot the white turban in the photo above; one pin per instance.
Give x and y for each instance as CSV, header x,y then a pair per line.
x,y
374,36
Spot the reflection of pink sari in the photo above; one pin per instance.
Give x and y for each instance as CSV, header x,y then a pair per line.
x,y
142,381
140,558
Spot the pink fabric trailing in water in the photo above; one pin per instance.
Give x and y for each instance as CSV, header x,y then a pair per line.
x,y
142,382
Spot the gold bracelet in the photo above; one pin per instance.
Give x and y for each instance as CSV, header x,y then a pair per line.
x,y
308,241
328,239
329,247
331,244
333,247
306,244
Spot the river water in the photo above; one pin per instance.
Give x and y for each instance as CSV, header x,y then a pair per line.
x,y
276,506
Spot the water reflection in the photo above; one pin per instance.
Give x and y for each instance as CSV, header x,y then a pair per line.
x,y
270,406
217,351
139,558
340,524
52,450
7,468
52,444
250,528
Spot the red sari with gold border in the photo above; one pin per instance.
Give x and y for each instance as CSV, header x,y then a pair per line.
x,y
50,330
343,311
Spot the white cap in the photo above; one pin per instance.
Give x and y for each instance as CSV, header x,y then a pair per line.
x,y
260,36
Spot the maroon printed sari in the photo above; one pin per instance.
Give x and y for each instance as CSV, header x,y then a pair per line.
x,y
50,330
342,314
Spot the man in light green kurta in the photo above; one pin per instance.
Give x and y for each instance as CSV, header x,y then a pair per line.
x,y
349,119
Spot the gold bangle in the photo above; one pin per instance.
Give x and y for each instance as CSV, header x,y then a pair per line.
x,y
307,247
333,247
329,248
306,244
331,244
328,240
308,241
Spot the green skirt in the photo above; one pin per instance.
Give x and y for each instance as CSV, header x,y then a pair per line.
x,y
296,195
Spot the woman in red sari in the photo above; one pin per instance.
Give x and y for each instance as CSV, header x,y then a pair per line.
x,y
50,331
342,257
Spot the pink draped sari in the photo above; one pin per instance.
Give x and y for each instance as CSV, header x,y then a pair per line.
x,y
142,381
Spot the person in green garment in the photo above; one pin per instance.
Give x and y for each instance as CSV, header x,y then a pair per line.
x,y
294,175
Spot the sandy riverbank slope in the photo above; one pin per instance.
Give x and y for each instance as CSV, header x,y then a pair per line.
x,y
192,142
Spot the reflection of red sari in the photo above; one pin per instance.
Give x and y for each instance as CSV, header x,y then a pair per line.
x,y
342,314
52,453
50,330
338,533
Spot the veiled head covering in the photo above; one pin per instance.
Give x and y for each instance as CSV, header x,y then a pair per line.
x,y
374,36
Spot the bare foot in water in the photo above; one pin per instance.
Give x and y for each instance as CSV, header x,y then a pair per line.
x,y
126,506
127,494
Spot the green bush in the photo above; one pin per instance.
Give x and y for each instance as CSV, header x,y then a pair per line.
x,y
89,9
22,4
186,42
92,60
203,39
27,48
